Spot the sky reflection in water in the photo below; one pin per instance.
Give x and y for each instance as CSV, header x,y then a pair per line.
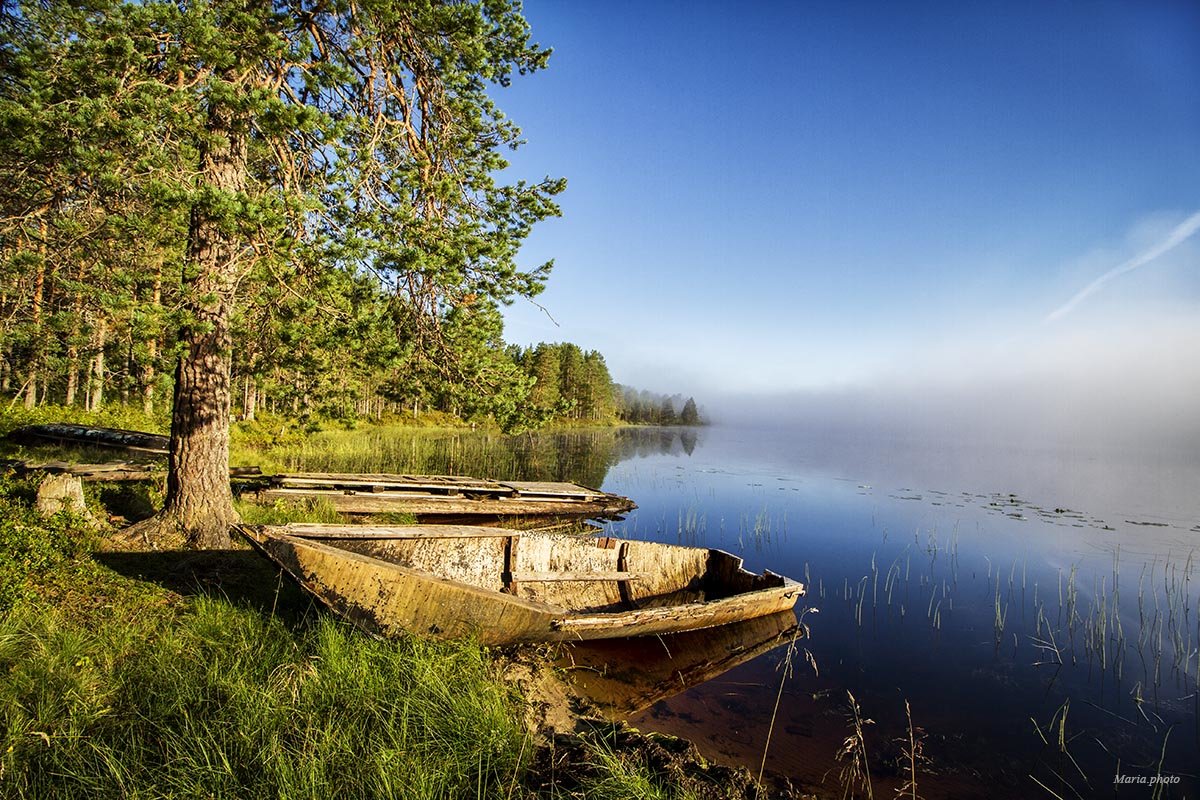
x,y
954,578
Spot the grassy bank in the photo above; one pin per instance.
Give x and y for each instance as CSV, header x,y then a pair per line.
x,y
140,675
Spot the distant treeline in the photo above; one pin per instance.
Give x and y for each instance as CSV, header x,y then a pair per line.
x,y
573,385
639,407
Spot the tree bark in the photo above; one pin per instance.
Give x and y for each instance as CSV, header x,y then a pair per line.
x,y
250,401
199,504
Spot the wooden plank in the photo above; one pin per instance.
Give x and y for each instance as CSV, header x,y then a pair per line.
x,y
547,577
544,554
551,489
675,573
315,530
371,503
431,483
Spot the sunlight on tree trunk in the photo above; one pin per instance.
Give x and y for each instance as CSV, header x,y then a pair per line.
x,y
199,502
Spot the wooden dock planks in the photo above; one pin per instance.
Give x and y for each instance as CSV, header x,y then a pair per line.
x,y
440,495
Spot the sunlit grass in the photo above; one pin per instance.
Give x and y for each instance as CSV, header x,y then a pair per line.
x,y
219,700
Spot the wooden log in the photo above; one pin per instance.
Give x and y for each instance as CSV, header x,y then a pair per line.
x,y
61,493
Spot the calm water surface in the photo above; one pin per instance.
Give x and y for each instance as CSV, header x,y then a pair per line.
x,y
956,579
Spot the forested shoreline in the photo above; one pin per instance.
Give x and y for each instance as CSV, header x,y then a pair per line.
x,y
287,213
295,210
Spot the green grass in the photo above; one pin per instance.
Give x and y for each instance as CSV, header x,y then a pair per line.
x,y
31,544
217,700
306,510
118,687
208,675
111,416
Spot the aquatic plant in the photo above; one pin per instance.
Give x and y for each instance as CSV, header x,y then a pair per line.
x,y
913,753
856,771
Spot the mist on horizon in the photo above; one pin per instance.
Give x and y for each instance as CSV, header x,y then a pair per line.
x,y
1132,387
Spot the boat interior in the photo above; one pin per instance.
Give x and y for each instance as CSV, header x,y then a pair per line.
x,y
568,571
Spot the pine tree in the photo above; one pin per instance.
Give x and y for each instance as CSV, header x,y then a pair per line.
x,y
288,138
689,415
666,412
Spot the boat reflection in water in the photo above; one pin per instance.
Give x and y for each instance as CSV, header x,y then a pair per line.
x,y
624,676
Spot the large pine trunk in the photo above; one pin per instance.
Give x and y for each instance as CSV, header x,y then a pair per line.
x,y
199,504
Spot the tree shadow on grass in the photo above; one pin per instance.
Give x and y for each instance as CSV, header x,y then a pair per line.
x,y
242,577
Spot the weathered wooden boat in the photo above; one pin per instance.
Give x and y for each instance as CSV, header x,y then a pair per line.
x,y
91,436
110,471
439,498
505,586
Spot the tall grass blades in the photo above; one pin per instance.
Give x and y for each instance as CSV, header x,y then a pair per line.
x,y
912,751
224,702
855,773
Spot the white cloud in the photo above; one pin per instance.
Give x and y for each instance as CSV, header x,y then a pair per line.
x,y
1178,235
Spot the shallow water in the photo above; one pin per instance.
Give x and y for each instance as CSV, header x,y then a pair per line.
x,y
951,577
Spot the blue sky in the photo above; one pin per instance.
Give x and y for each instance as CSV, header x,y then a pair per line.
x,y
783,197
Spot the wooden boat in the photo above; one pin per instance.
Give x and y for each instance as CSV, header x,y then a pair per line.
x,y
440,498
505,586
111,471
91,436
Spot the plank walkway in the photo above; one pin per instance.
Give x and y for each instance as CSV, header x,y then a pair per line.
x,y
441,495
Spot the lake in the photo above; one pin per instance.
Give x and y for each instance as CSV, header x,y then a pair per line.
x,y
1032,605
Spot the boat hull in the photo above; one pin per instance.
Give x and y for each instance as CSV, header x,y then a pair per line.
x,y
388,598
